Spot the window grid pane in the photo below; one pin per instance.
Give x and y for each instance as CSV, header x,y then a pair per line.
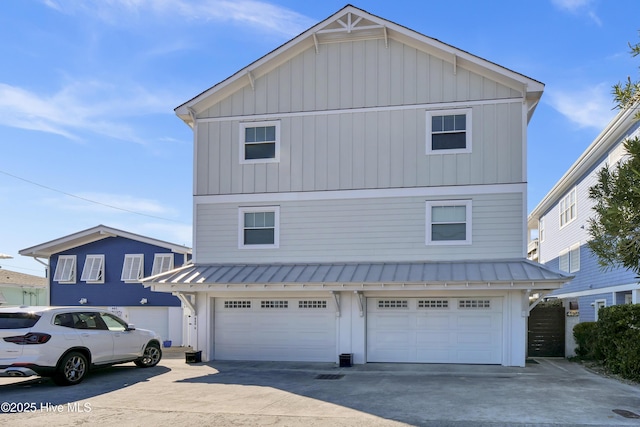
x,y
312,304
237,304
474,304
274,304
433,303
393,303
259,228
260,142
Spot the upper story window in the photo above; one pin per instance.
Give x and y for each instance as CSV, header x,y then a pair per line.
x,y
133,268
449,131
568,208
93,271
162,263
259,227
65,269
448,222
260,142
541,230
569,259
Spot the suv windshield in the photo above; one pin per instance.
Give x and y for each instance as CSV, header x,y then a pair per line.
x,y
18,320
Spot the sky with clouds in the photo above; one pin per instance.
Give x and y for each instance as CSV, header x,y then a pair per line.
x,y
88,88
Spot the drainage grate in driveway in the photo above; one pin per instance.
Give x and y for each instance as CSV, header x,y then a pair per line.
x,y
625,413
328,377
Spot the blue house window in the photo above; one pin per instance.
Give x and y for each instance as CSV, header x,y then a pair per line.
x,y
65,269
162,263
133,268
93,271
569,259
567,208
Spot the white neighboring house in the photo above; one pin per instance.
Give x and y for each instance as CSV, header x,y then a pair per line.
x,y
361,190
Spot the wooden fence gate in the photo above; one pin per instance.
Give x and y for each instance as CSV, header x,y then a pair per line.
x,y
546,332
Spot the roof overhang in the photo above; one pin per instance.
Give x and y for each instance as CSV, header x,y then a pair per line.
x,y
350,24
412,276
45,250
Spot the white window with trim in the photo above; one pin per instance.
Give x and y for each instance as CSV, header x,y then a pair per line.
x,y
541,230
65,269
260,142
597,305
448,131
162,263
259,227
93,270
448,222
569,259
132,268
567,208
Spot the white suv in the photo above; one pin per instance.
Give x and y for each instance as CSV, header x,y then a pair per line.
x,y
65,342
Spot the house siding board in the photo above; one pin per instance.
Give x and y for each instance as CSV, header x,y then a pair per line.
x,y
113,292
590,277
355,230
377,149
588,312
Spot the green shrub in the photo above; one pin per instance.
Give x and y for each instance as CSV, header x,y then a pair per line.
x,y
618,330
586,336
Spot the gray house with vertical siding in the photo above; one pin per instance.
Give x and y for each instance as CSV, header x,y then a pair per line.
x,y
361,190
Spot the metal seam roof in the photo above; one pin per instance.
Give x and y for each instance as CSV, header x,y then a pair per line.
x,y
505,271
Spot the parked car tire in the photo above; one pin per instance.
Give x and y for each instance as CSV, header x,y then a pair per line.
x,y
151,356
72,369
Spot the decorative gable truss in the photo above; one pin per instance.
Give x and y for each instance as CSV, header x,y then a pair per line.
x,y
351,26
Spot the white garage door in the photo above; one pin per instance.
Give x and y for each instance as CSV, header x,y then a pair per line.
x,y
434,330
278,329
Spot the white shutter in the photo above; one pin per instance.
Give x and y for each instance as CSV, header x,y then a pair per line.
x,y
132,268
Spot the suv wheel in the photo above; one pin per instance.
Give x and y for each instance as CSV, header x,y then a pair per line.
x,y
72,369
151,356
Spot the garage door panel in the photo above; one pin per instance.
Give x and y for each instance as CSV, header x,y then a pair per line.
x,y
281,329
434,338
474,338
438,330
435,321
391,321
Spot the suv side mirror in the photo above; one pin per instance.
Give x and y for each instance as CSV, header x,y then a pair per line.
x,y
131,327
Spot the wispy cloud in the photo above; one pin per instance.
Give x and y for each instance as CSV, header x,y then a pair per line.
x,y
262,16
589,107
579,7
94,107
113,203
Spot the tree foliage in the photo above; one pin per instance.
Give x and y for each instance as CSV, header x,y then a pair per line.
x,y
615,226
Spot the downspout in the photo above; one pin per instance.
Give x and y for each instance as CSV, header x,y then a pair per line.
x,y
46,265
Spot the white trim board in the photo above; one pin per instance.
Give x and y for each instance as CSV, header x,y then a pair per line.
x,y
430,107
444,191
599,291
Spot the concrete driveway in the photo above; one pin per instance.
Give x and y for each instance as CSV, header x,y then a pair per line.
x,y
551,392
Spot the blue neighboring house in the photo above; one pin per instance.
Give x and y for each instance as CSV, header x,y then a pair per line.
x,y
103,267
561,221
